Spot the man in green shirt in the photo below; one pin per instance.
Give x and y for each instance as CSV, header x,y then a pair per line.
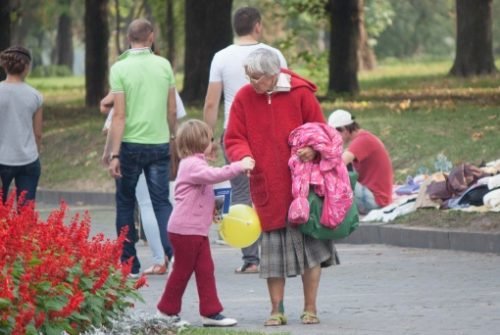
x,y
144,120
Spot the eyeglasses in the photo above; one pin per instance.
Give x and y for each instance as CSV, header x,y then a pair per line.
x,y
254,80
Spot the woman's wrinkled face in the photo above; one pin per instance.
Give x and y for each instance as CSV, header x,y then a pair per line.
x,y
261,83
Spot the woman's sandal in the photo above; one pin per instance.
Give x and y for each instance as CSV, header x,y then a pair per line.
x,y
278,319
309,318
157,269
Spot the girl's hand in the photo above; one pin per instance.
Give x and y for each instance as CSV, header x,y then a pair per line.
x,y
306,154
247,163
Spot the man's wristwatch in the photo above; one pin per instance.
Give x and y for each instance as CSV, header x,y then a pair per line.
x,y
112,156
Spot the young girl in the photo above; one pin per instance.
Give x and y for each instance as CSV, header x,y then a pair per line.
x,y
20,125
190,222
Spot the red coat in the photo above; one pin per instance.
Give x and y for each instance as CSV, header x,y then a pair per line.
x,y
259,126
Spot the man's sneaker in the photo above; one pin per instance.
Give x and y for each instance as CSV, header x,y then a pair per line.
x,y
174,320
218,320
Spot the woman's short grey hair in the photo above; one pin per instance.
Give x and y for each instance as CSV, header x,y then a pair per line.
x,y
263,61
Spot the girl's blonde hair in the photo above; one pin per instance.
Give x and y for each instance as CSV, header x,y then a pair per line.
x,y
193,137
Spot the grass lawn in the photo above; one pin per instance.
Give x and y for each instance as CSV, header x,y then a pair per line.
x,y
414,107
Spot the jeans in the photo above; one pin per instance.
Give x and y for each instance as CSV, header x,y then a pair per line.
x,y
154,160
25,178
365,200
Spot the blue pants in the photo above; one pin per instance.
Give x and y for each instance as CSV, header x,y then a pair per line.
x,y
365,200
154,160
25,178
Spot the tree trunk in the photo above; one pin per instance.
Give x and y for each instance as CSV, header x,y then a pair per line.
x,y
118,46
4,29
21,20
474,50
344,42
366,57
64,41
170,32
96,50
208,30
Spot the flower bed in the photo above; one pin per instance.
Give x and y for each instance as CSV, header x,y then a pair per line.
x,y
54,278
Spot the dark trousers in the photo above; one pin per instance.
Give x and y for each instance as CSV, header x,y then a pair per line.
x,y
25,179
154,160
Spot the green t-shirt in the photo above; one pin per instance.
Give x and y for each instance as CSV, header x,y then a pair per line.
x,y
145,79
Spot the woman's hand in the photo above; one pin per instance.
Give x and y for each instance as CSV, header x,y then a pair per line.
x,y
306,154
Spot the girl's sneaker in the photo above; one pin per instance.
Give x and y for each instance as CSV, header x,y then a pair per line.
x,y
218,320
174,320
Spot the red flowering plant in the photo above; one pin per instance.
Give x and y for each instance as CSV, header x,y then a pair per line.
x,y
55,278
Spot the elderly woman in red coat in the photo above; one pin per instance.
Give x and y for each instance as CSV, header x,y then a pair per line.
x,y
262,116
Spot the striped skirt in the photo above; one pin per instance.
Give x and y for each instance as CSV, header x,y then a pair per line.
x,y
287,252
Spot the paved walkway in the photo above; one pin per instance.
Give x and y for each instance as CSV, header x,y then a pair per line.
x,y
377,289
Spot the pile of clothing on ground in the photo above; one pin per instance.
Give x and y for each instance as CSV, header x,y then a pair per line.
x,y
466,187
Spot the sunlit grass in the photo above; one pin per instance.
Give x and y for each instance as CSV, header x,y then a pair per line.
x,y
414,107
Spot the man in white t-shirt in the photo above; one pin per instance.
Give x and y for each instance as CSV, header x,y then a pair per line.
x,y
227,75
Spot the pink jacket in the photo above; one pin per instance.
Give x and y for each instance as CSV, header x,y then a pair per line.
x,y
328,174
194,195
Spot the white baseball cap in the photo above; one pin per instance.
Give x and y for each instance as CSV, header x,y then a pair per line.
x,y
340,118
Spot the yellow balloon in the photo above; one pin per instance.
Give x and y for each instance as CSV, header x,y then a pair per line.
x,y
240,227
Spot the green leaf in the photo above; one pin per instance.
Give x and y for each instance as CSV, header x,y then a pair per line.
x,y
31,330
80,317
43,286
86,283
54,304
4,303
50,329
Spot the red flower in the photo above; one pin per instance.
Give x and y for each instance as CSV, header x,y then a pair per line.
x,y
46,261
72,306
142,281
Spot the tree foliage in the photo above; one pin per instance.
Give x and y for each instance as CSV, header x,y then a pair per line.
x,y
420,27
300,28
169,16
